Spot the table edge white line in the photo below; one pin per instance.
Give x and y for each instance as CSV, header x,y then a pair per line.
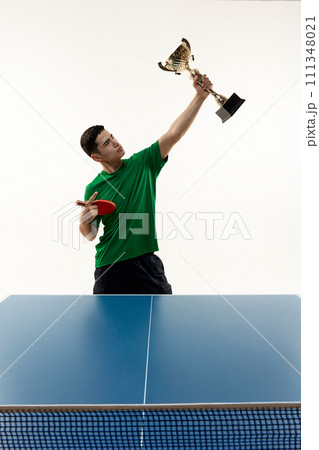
x,y
148,349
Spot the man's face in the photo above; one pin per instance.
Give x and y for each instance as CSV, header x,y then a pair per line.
x,y
110,149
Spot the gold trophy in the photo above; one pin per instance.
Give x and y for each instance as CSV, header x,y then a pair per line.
x,y
178,63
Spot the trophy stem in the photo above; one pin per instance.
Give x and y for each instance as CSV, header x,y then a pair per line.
x,y
220,99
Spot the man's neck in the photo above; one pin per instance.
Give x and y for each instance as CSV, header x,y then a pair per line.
x,y
111,168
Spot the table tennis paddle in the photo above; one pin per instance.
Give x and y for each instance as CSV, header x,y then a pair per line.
x,y
103,206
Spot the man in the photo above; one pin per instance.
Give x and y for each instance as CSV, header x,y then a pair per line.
x,y
125,261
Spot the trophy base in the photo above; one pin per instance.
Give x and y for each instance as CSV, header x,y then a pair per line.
x,y
230,107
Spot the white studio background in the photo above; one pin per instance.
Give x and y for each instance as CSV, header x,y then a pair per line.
x,y
67,65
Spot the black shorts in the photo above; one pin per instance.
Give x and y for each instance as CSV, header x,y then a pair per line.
x,y
141,275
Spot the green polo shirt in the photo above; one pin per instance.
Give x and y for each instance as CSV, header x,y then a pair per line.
x,y
129,231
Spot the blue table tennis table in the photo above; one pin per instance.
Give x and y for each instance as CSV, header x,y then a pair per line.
x,y
142,353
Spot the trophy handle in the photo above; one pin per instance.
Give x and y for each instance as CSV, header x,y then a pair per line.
x,y
168,70
187,43
220,99
164,68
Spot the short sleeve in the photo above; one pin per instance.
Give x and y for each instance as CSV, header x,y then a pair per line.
x,y
96,222
153,158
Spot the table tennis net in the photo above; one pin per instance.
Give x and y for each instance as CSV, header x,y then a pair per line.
x,y
204,428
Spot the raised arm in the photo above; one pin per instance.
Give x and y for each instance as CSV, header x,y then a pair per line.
x,y
184,121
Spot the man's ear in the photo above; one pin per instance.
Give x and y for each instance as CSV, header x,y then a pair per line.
x,y
96,157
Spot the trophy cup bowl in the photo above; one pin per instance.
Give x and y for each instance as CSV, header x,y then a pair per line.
x,y
178,62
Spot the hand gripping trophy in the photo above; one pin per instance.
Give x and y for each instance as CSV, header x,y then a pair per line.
x,y
178,63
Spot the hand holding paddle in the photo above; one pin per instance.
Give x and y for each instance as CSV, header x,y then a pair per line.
x,y
89,211
94,208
